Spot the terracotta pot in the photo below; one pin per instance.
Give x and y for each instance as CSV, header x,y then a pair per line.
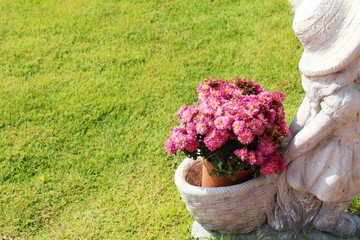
x,y
214,181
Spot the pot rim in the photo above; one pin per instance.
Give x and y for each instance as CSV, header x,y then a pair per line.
x,y
188,189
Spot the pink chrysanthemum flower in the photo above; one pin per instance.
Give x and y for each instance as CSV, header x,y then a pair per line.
x,y
181,110
198,117
191,128
240,112
219,112
253,107
238,127
242,153
212,142
260,159
237,94
268,169
252,158
186,114
266,147
265,97
245,136
205,109
285,129
256,126
215,139
202,128
263,121
226,91
213,104
179,140
275,164
170,146
280,163
271,116
203,90
191,143
223,122
179,129
279,97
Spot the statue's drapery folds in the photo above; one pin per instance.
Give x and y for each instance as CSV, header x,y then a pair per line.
x,y
323,154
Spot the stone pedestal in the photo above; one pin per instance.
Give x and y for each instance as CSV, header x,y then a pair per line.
x,y
265,232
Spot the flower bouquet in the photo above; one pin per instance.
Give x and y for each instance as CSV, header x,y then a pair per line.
x,y
235,126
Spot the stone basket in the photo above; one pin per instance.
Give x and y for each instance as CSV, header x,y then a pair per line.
x,y
230,210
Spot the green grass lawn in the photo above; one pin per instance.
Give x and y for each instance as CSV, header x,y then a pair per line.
x,y
89,94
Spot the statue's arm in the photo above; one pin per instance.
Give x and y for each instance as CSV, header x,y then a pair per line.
x,y
336,110
301,117
309,136
299,120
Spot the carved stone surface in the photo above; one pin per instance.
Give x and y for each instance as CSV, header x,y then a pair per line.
x,y
265,232
295,4
322,176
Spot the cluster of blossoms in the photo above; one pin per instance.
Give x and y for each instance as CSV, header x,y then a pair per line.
x,y
235,125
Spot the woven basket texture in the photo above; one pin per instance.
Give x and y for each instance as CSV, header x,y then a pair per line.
x,y
234,209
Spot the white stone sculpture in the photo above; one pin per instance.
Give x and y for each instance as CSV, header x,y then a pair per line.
x,y
323,155
295,4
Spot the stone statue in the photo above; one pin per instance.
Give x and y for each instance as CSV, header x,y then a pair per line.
x,y
322,176
295,4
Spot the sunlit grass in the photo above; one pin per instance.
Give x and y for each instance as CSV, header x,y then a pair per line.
x,y
89,94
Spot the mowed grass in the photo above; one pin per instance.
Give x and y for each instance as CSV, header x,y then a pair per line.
x,y
89,94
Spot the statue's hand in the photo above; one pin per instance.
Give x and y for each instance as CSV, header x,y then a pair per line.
x,y
288,157
284,149
285,143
